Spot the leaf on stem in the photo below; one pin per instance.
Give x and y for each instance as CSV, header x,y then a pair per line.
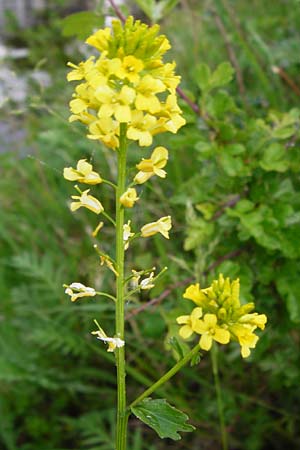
x,y
166,420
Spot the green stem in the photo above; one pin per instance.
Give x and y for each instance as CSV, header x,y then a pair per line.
x,y
166,376
120,352
109,183
215,368
109,218
104,294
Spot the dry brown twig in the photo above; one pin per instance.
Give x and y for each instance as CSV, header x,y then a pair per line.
x,y
231,53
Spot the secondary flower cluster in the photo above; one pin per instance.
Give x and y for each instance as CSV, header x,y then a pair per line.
x,y
129,83
219,316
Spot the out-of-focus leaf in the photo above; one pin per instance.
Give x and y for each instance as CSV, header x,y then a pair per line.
x,y
274,158
81,24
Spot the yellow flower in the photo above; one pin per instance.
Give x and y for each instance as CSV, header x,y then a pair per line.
x,y
83,173
172,112
78,290
141,128
247,339
163,226
114,103
166,74
146,99
83,99
81,71
153,166
194,293
254,319
209,330
105,130
83,117
131,68
100,40
127,234
129,198
188,322
86,201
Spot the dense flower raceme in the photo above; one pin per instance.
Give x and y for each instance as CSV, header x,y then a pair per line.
x,y
128,83
219,316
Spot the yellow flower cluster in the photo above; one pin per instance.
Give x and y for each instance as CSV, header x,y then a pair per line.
x,y
219,316
129,83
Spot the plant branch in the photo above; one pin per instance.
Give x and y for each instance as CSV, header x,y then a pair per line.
x,y
231,53
117,10
288,80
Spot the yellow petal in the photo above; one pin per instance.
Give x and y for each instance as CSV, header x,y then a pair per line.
x,y
77,106
160,157
182,319
123,113
142,177
210,320
185,332
245,351
127,95
84,167
196,313
70,174
222,336
205,342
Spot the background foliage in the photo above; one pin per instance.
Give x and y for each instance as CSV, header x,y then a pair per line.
x,y
233,192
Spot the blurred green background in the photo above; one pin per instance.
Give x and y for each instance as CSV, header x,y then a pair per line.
x,y
233,191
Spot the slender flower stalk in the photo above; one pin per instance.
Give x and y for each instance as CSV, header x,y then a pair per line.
x,y
120,352
215,369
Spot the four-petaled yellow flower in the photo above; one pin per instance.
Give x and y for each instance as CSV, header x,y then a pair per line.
x,y
163,226
129,198
188,322
86,201
146,99
104,130
78,290
210,330
141,128
114,103
80,71
83,173
245,336
152,166
131,68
